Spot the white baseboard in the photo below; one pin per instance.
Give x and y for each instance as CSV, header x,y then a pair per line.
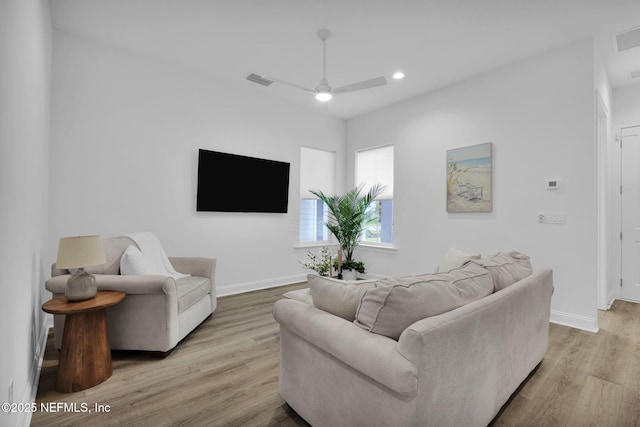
x,y
36,367
589,324
238,288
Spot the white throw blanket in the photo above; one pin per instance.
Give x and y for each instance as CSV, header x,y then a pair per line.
x,y
155,258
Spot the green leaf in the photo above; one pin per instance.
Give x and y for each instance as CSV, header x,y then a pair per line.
x,y
350,215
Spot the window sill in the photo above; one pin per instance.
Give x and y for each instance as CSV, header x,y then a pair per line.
x,y
389,248
315,245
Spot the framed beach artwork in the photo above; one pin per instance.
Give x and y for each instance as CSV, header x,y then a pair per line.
x,y
469,179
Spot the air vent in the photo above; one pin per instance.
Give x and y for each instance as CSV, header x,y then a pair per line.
x,y
628,39
635,74
257,79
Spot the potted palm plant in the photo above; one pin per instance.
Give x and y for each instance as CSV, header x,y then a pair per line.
x,y
349,216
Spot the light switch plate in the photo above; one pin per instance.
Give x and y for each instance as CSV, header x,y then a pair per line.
x,y
551,218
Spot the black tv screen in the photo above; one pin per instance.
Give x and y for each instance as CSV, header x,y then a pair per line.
x,y
234,183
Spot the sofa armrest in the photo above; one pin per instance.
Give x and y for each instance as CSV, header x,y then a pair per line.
x,y
201,267
530,298
487,347
143,285
373,355
55,271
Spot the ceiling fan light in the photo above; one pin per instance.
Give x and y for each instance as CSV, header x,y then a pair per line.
x,y
323,96
398,75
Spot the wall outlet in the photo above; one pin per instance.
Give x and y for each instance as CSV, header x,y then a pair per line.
x,y
10,394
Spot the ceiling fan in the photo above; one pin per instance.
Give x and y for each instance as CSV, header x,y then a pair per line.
x,y
323,91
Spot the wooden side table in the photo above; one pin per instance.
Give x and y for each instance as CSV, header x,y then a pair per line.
x,y
85,356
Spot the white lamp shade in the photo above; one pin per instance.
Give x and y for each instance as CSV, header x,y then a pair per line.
x,y
80,251
375,166
317,172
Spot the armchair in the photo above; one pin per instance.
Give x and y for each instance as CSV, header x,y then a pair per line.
x,y
158,311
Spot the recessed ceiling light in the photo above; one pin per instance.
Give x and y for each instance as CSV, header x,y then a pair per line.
x,y
399,75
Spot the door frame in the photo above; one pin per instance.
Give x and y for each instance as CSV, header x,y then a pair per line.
x,y
602,193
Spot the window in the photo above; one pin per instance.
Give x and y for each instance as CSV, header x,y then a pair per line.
x,y
375,166
317,172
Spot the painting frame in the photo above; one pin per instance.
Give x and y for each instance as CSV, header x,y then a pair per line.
x,y
470,178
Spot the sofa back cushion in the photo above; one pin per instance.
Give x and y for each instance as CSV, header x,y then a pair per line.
x,y
389,306
456,258
132,262
113,250
114,247
506,268
338,297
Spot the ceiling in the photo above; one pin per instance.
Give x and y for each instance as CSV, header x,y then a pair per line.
x,y
435,42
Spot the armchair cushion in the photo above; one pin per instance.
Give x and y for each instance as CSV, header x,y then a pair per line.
x,y
191,290
113,250
132,262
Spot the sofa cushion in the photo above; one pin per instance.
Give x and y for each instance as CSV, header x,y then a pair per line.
x,y
338,297
113,250
456,258
506,268
132,262
389,306
302,295
190,290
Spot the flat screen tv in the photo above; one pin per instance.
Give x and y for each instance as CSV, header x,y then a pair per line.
x,y
234,183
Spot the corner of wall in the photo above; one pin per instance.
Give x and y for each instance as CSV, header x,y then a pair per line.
x,y
34,371
238,288
589,324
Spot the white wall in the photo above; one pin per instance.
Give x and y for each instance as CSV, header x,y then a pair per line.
x,y
626,105
125,138
25,84
539,114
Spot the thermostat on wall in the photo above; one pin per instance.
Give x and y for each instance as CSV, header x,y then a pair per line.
x,y
553,184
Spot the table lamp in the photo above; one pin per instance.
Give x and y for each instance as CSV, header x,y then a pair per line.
x,y
80,252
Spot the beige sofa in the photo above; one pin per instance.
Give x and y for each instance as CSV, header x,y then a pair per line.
x,y
158,311
456,368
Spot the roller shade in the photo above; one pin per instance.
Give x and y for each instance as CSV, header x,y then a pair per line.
x,y
375,166
317,172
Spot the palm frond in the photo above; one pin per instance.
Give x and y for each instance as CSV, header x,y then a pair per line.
x,y
349,215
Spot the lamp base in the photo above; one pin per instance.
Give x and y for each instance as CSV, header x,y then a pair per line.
x,y
81,286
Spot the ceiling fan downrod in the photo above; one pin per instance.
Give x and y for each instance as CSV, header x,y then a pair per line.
x,y
323,90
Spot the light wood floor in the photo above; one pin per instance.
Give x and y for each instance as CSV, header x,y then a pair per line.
x,y
226,374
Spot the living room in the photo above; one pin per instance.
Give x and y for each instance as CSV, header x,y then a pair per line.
x,y
101,138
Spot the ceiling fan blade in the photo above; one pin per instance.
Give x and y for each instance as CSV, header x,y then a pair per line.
x,y
259,79
284,82
365,84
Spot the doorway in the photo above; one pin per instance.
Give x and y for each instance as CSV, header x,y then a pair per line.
x,y
629,138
